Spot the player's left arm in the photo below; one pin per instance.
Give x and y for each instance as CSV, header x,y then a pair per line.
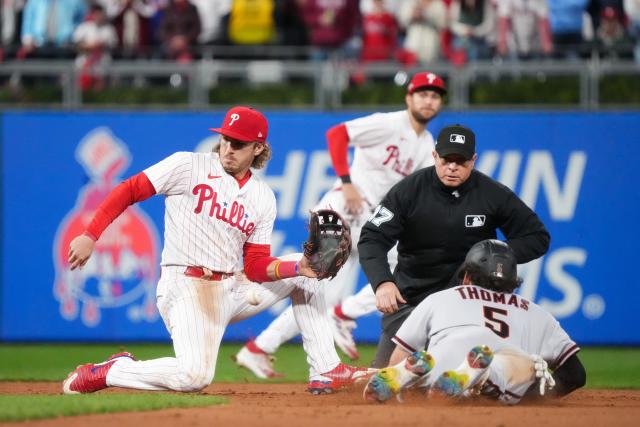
x,y
569,377
259,265
525,232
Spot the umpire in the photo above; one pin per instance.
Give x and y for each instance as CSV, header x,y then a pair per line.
x,y
436,215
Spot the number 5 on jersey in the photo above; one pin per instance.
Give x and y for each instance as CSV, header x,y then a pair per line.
x,y
380,215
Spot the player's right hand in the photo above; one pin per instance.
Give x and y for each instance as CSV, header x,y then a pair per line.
x,y
353,201
80,249
387,297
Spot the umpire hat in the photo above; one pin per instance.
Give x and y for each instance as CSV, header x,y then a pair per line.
x,y
456,139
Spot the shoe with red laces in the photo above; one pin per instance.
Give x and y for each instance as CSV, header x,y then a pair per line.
x,y
91,376
340,376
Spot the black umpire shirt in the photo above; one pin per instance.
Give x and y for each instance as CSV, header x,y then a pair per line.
x,y
436,225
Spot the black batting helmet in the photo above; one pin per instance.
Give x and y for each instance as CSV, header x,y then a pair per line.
x,y
492,265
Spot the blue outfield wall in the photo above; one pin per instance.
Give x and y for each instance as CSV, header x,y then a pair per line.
x,y
577,170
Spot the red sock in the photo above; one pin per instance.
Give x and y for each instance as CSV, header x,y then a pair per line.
x,y
338,312
253,348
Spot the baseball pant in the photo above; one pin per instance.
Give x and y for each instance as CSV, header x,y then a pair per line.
x,y
284,328
196,313
511,372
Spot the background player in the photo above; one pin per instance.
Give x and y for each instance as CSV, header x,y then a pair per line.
x,y
483,311
388,147
216,212
436,215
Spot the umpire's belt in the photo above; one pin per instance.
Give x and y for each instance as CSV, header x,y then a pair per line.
x,y
205,274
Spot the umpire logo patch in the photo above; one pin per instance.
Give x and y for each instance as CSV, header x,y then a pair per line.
x,y
471,221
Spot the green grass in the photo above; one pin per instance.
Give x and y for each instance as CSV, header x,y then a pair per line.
x,y
20,408
609,367
606,367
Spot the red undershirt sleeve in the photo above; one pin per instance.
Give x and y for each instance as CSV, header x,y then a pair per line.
x,y
338,142
132,190
256,260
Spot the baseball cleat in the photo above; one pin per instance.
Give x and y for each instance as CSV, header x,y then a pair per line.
x,y
339,377
390,381
91,377
257,361
343,335
472,373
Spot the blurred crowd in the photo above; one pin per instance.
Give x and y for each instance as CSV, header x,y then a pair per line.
x,y
407,31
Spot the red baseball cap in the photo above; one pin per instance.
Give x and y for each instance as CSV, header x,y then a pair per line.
x,y
244,124
427,80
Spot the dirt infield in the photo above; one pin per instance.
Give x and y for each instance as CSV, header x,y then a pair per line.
x,y
288,405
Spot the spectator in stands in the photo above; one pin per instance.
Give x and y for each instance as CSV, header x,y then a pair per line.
x,y
523,28
94,39
330,24
567,18
290,25
211,13
473,23
595,8
611,36
10,21
424,21
632,9
379,34
252,22
179,30
132,22
47,27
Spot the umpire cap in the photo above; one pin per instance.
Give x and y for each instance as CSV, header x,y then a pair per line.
x,y
456,139
493,264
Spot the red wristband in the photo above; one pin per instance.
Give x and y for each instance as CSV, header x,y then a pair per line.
x,y
287,269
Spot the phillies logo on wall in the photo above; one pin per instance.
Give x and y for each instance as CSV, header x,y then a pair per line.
x,y
122,271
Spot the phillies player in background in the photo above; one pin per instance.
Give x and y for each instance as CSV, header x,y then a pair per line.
x,y
216,212
388,147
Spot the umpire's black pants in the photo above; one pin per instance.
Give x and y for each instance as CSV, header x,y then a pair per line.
x,y
390,324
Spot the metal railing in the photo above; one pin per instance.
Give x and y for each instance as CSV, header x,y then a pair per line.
x,y
329,78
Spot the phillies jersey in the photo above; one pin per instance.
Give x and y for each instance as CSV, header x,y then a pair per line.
x,y
386,150
208,216
470,315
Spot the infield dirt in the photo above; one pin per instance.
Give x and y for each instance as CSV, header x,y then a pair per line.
x,y
288,405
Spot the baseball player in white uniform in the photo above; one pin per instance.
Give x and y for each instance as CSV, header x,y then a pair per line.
x,y
513,341
217,212
388,147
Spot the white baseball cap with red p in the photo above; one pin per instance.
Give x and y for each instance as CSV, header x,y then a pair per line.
x,y
244,124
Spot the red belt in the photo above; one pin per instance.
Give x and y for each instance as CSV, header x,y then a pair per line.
x,y
205,273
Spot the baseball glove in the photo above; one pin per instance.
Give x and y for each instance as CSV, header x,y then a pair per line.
x,y
329,243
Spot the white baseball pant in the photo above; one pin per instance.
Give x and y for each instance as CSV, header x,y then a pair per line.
x,y
284,327
196,313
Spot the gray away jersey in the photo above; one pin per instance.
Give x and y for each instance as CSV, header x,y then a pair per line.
x,y
452,321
